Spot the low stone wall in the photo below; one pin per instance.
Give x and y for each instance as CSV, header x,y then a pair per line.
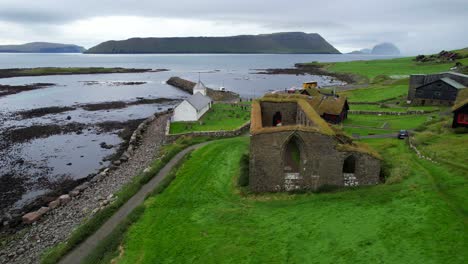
x,y
411,112
221,133
418,153
215,95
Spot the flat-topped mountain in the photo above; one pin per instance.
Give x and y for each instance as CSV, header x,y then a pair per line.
x,y
288,42
42,47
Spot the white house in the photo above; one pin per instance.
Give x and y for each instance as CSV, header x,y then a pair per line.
x,y
192,108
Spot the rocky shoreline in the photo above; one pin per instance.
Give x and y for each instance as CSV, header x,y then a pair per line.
x,y
39,112
14,89
54,222
312,69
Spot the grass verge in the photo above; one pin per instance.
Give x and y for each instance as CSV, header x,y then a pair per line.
x,y
202,217
108,248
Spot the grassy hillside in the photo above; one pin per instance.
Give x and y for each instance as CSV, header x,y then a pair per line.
x,y
393,67
202,217
385,80
289,42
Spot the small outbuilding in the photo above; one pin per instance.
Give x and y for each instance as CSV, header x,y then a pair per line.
x,y
460,110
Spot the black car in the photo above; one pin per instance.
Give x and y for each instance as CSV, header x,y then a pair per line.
x,y
403,134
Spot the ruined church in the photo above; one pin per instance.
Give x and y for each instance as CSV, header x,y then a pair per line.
x,y
293,148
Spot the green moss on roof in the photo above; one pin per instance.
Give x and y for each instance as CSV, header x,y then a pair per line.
x,y
320,125
322,104
462,99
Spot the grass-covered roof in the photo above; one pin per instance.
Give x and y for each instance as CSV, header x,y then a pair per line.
x,y
322,104
462,99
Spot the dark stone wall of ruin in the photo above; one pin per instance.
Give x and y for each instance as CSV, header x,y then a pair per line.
x,y
288,112
321,163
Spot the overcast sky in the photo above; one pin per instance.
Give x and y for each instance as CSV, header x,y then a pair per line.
x,y
415,26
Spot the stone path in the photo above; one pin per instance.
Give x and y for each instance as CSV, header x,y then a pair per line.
x,y
84,249
57,225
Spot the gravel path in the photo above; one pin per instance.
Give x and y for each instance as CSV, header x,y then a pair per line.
x,y
84,249
57,225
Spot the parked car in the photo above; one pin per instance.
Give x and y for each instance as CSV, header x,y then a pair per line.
x,y
403,134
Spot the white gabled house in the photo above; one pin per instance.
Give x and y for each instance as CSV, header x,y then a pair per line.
x,y
194,107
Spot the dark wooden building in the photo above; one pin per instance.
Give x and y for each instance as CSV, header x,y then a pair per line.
x,y
331,108
436,89
460,110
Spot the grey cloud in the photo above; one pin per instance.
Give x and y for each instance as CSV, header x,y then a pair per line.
x,y
347,23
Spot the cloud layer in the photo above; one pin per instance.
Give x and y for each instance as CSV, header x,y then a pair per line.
x,y
416,26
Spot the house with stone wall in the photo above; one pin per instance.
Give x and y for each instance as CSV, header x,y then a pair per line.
x,y
293,148
436,89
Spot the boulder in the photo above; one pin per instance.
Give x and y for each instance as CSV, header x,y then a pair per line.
x,y
54,204
31,217
74,193
82,187
43,210
64,199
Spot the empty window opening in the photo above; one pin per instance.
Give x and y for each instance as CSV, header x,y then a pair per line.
x,y
277,119
349,165
292,156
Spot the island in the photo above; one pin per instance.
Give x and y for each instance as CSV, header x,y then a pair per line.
x,y
276,43
42,47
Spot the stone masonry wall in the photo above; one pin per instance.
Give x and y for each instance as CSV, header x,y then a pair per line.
x,y
288,113
221,133
321,163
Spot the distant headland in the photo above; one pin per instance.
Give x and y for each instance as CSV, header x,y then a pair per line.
x,y
276,43
42,47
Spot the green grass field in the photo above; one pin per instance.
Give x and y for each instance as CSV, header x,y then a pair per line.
x,y
219,117
393,122
363,131
376,93
378,108
202,217
393,67
438,141
383,88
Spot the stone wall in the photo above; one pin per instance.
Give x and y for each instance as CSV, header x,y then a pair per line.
x,y
220,133
288,113
419,101
215,95
320,163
